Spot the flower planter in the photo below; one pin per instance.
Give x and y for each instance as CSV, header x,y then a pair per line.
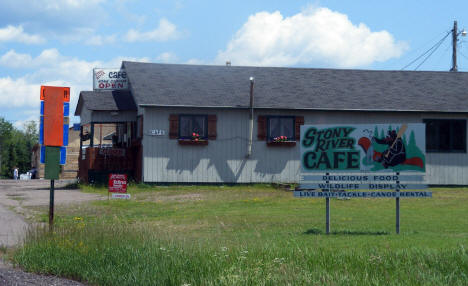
x,y
281,143
193,142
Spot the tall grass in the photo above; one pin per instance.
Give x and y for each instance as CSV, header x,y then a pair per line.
x,y
122,254
252,235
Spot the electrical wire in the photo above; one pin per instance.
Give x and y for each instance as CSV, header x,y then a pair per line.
x,y
444,48
433,49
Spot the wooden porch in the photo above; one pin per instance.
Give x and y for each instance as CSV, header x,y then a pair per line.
x,y
96,163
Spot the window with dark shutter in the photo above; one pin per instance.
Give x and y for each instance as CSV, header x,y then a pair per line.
x,y
299,120
193,124
173,126
212,134
261,127
281,127
192,129
280,130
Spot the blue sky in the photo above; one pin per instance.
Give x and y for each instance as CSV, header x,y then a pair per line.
x,y
47,42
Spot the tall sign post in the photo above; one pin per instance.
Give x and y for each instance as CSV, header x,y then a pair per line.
x,y
53,135
386,159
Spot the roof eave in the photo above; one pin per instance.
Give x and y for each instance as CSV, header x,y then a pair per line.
x,y
304,108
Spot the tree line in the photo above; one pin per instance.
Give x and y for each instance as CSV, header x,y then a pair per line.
x,y
16,147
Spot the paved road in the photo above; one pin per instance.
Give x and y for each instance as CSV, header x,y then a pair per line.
x,y
15,198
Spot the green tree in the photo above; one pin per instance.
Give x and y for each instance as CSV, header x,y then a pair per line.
x,y
16,146
6,128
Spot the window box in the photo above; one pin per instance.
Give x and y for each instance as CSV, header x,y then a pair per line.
x,y
192,142
281,143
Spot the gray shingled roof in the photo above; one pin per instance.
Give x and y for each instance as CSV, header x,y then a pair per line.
x,y
106,100
297,88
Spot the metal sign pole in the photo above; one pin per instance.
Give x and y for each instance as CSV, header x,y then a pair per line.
x,y
397,201
51,206
327,201
327,212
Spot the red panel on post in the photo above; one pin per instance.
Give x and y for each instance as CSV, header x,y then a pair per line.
x,y
53,113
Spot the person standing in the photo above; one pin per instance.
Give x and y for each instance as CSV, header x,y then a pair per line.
x,y
15,173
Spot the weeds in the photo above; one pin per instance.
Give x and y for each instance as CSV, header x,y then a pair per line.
x,y
252,236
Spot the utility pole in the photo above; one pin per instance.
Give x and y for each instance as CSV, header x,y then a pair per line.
x,y
454,47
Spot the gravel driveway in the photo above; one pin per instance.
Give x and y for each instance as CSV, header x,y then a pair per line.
x,y
14,197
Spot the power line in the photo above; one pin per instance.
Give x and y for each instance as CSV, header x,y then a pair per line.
x,y
443,54
433,49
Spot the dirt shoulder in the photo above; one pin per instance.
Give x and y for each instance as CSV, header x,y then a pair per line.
x,y
19,196
10,276
16,198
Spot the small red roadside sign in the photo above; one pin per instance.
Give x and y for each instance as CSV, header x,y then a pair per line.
x,y
117,183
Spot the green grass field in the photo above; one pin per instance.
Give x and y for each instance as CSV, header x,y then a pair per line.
x,y
253,235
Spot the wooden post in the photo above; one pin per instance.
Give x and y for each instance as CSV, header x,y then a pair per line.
x,y
81,138
91,142
100,135
454,47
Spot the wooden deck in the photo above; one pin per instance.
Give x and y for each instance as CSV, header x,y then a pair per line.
x,y
95,164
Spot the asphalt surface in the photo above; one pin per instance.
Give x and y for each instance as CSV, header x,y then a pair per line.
x,y
15,198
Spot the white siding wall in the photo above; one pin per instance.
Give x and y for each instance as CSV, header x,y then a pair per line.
x,y
224,159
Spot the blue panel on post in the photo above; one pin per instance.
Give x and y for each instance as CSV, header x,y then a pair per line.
x,y
65,135
41,130
42,108
63,155
42,156
66,109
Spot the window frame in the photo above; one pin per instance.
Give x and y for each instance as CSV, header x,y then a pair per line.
x,y
269,139
205,126
451,134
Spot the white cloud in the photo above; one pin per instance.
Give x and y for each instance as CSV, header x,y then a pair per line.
x,y
167,57
56,19
14,60
164,32
195,61
19,124
99,40
69,4
313,36
46,58
18,92
17,34
49,68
